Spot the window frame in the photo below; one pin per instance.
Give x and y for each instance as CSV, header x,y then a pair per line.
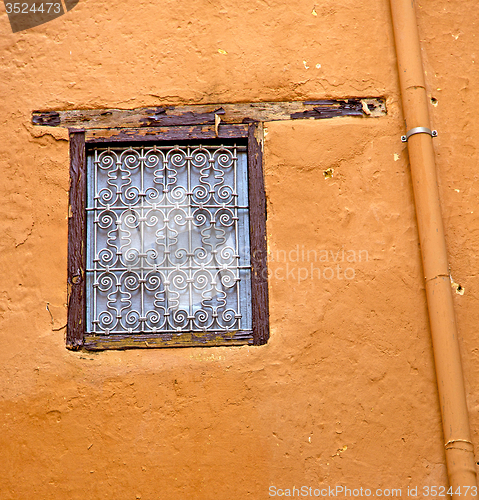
x,y
80,139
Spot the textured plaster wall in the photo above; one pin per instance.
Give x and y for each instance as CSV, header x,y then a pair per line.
x,y
344,392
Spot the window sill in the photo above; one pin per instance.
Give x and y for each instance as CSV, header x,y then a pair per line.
x,y
183,339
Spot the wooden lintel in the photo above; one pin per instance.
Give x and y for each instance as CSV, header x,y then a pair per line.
x,y
96,136
206,114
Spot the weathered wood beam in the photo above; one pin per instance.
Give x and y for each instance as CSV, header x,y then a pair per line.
x,y
227,131
76,238
209,114
185,339
258,237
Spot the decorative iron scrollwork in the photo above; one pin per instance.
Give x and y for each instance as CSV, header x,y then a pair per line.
x,y
168,246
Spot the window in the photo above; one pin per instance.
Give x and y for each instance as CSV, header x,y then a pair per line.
x,y
167,239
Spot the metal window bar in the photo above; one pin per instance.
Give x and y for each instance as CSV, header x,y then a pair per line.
x,y
168,240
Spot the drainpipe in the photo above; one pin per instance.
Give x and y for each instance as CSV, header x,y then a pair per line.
x,y
450,380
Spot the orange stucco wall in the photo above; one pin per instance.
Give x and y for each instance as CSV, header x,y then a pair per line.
x,y
344,392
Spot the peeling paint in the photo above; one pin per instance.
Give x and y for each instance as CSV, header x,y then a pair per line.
x,y
459,289
328,173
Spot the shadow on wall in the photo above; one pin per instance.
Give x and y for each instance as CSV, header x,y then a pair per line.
x,y
30,13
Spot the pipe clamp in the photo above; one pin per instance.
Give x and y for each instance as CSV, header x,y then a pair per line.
x,y
418,130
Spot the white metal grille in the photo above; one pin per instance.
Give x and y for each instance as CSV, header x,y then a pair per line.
x,y
168,240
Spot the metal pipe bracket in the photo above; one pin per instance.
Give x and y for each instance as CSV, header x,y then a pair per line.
x,y
418,130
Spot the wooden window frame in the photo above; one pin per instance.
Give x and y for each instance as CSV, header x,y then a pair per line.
x,y
79,141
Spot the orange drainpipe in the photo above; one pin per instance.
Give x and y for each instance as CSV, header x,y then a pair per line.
x,y
450,380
